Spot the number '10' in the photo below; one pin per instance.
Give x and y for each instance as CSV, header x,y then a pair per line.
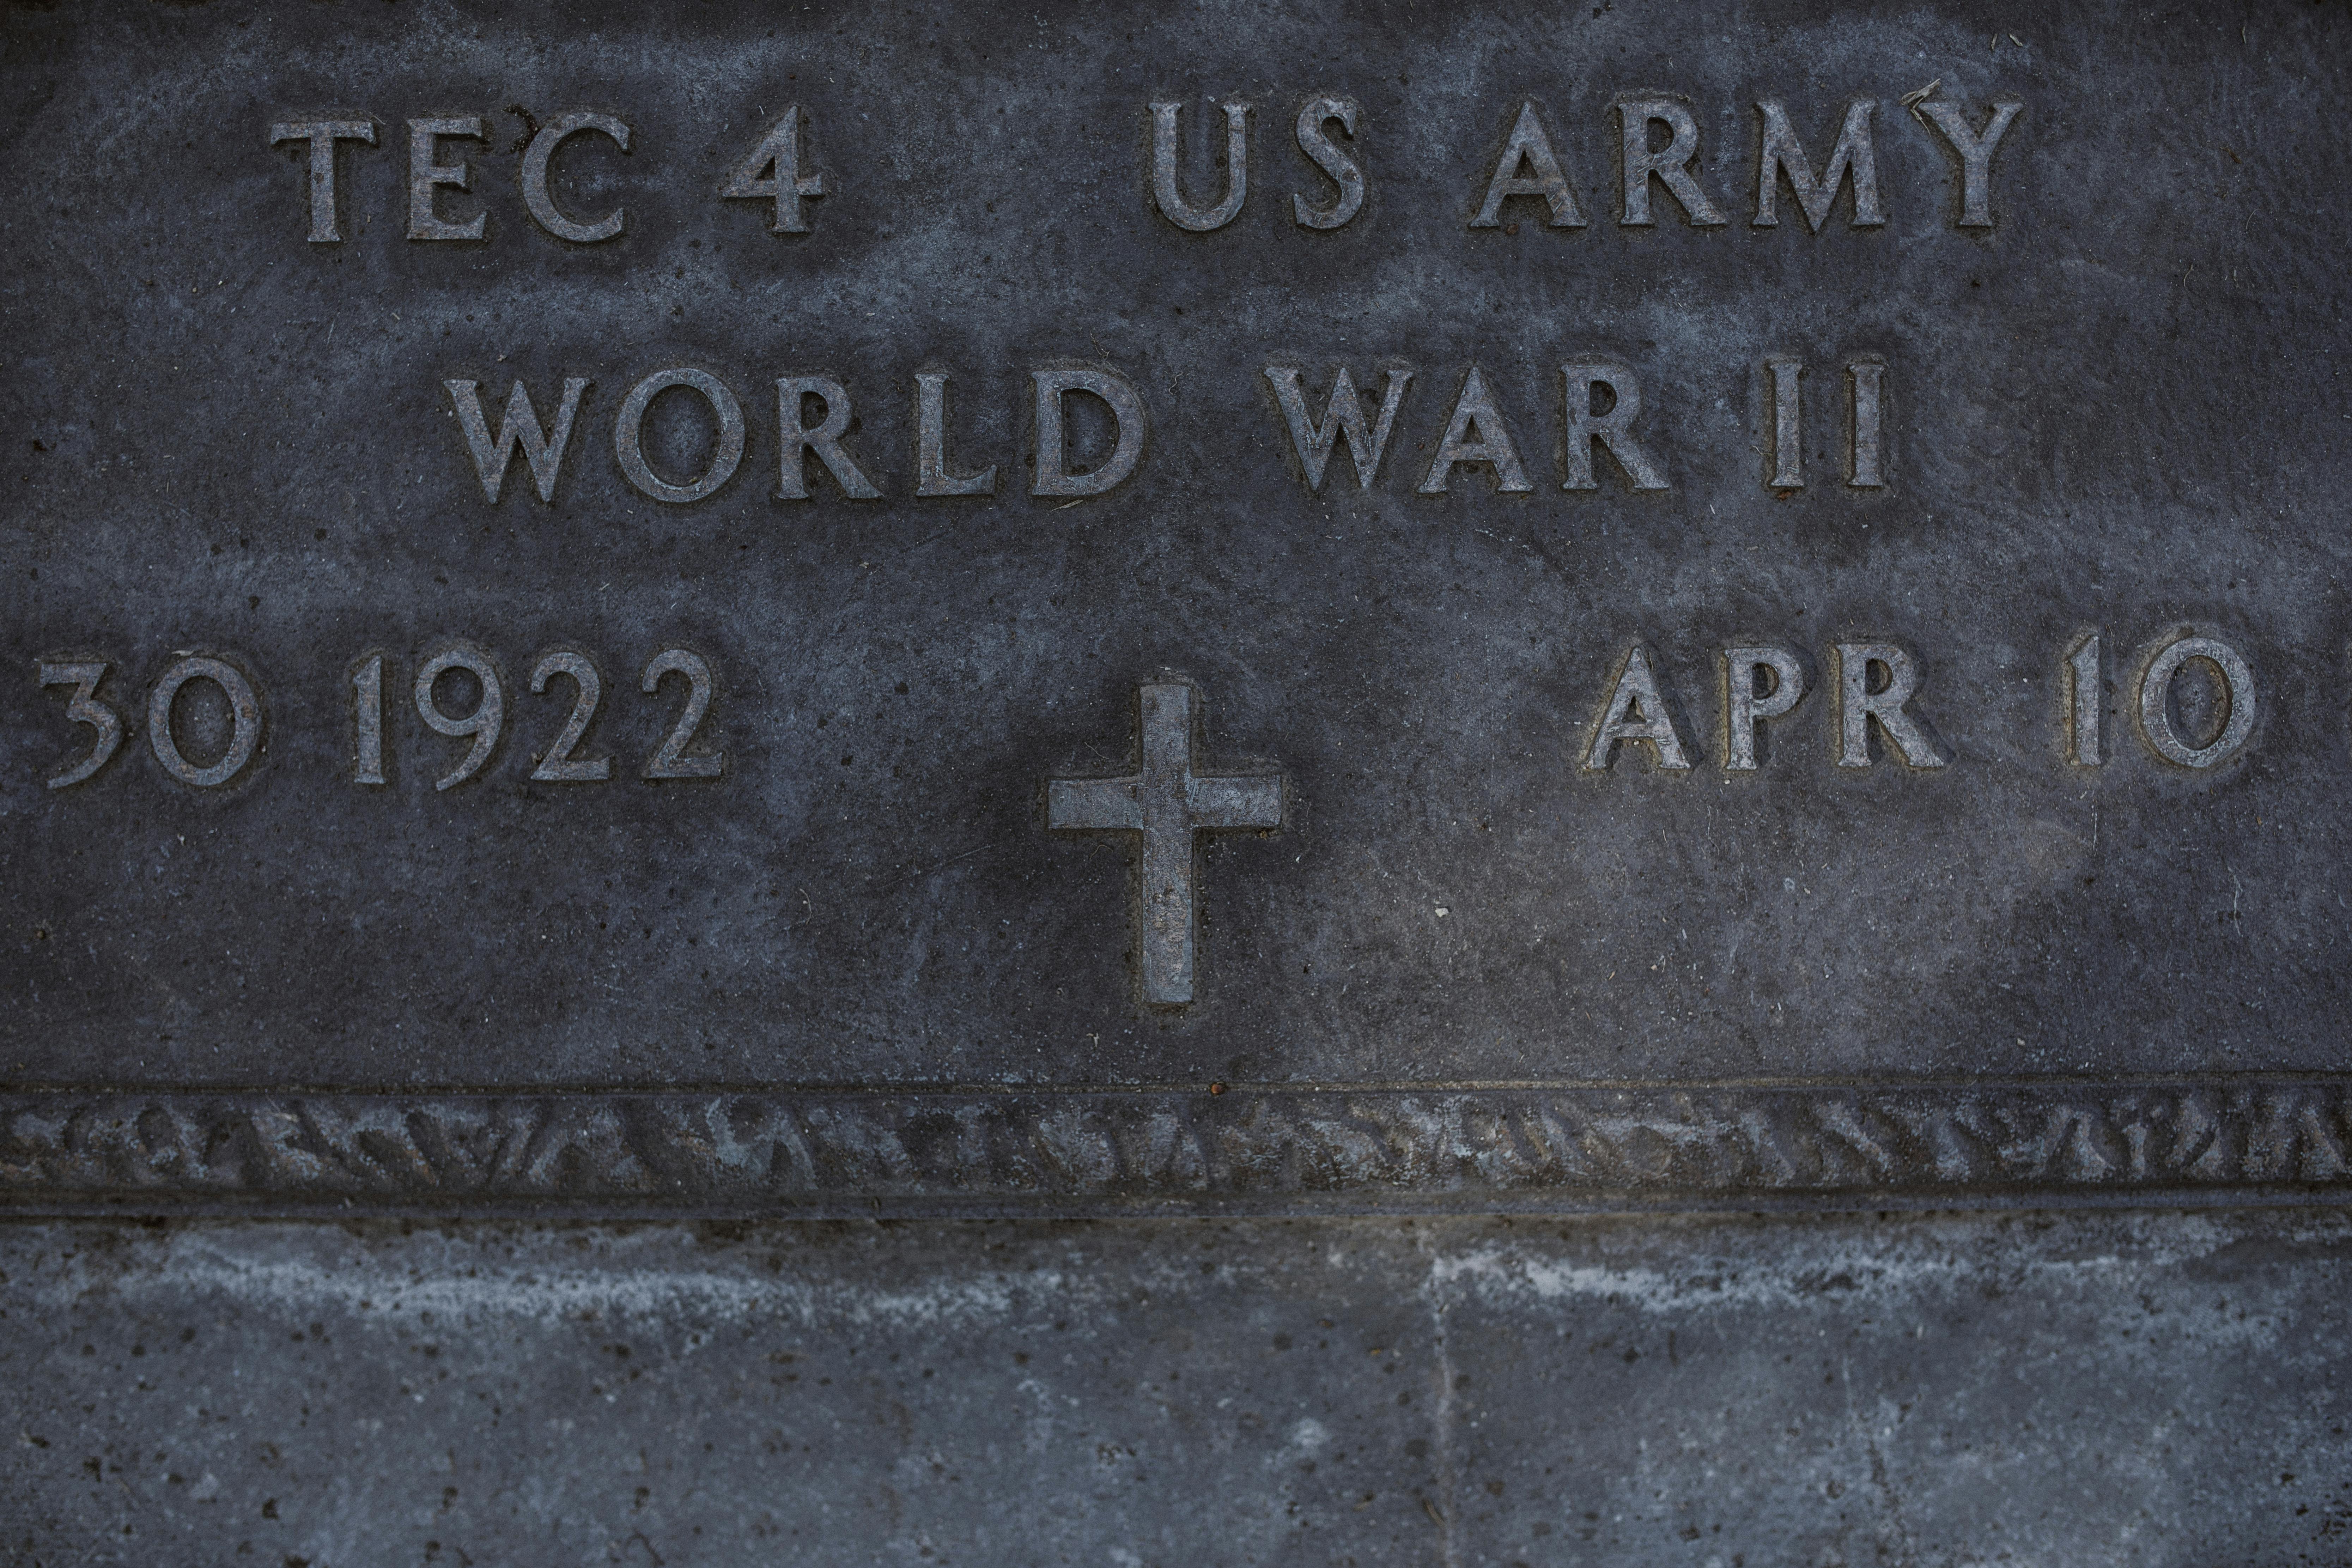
x,y
483,725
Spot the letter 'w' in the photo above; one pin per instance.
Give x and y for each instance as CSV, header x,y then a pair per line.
x,y
519,428
1344,411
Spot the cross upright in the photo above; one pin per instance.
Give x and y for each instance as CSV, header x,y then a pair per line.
x,y
1165,804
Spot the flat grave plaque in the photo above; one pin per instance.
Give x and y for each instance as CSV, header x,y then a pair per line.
x,y
999,609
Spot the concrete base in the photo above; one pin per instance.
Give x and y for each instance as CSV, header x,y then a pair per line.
x,y
2067,1388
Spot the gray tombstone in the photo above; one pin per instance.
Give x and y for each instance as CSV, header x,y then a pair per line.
x,y
1475,784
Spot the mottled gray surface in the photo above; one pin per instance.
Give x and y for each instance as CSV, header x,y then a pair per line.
x,y
2119,408
2062,1390
856,969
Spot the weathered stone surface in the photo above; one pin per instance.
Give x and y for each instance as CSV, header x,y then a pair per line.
x,y
720,678
2098,402
2150,1389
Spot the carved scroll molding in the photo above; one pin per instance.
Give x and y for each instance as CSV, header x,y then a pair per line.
x,y
1246,1150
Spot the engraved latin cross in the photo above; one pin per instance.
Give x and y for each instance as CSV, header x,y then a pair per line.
x,y
1165,804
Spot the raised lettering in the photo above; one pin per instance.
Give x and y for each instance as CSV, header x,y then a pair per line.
x,y
1758,683
2087,701
1476,434
367,721
933,477
671,762
2155,721
1053,477
424,174
1670,164
535,158
824,438
1853,158
1343,413
559,766
482,725
1865,379
628,434
519,428
322,135
771,172
1974,150
1165,190
1859,705
1636,711
1528,148
1613,430
1333,160
244,715
1787,423
84,708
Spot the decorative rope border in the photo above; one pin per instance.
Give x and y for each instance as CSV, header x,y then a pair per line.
x,y
1185,1151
